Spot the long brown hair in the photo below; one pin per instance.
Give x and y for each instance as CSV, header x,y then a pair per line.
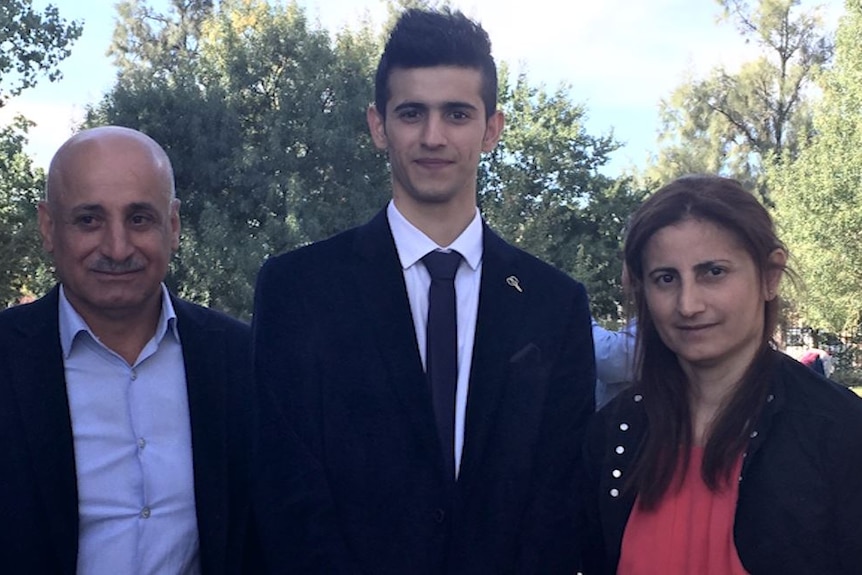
x,y
725,203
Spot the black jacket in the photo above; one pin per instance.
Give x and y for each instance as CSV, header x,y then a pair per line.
x,y
800,494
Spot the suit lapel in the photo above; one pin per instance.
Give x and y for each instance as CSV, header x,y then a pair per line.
x,y
500,315
39,381
204,355
380,281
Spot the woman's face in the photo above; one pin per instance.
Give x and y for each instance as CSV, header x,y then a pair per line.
x,y
705,295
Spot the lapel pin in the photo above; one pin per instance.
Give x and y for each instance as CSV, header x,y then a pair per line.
x,y
513,281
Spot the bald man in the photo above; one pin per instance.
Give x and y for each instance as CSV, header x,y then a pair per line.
x,y
124,411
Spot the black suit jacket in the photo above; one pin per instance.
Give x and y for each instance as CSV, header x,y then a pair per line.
x,y
38,491
351,474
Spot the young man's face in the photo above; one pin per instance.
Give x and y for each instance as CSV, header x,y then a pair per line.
x,y
434,131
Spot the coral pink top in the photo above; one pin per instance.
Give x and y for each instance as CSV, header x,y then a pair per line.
x,y
691,530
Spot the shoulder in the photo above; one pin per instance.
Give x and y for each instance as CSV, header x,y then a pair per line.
x,y
501,256
807,392
325,254
201,317
32,316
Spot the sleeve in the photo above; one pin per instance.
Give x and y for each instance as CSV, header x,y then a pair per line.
x,y
293,514
847,495
552,530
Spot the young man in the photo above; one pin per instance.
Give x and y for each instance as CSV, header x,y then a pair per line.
x,y
123,410
422,450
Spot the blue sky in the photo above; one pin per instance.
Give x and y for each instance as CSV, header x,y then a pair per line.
x,y
619,57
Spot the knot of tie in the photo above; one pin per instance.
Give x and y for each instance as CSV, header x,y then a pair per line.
x,y
442,265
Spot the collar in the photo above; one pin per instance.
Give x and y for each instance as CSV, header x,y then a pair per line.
x,y
412,244
72,324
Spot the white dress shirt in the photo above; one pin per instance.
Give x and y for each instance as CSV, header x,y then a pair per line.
x,y
412,245
133,451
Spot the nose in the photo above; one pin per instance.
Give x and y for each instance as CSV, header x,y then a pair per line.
x,y
116,243
690,300
433,132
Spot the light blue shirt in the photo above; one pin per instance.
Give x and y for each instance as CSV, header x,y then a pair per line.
x,y
412,245
133,451
615,360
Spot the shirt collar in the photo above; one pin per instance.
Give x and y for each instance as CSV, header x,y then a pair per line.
x,y
412,244
71,322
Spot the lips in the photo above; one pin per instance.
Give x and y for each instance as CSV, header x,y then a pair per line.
x,y
695,328
433,162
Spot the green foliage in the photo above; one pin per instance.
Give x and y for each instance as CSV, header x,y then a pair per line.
x,y
730,122
23,269
541,189
32,44
263,116
264,121
818,195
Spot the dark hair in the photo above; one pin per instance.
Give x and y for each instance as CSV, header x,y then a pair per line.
x,y
725,203
425,38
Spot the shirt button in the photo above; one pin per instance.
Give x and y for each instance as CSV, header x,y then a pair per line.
x,y
134,375
145,513
617,473
142,443
615,492
770,397
439,515
754,434
620,449
624,426
639,398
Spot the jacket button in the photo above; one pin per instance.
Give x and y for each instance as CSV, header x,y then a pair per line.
x,y
439,515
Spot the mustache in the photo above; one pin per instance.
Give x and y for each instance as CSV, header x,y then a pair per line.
x,y
107,265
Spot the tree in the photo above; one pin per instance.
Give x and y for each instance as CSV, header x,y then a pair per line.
x,y
264,122
32,44
23,271
263,117
730,122
542,190
818,196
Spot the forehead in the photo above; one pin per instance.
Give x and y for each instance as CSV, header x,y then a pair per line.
x,y
435,85
109,172
691,242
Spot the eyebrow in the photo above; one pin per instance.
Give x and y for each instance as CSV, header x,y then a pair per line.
x,y
445,106
133,207
699,267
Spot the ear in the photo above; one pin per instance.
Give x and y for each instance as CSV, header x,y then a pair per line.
x,y
377,127
777,263
493,129
46,226
175,224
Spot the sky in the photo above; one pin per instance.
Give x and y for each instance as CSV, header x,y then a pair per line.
x,y
619,58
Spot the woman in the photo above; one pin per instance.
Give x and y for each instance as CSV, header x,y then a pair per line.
x,y
727,456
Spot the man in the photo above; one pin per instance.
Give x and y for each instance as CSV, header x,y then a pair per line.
x,y
614,351
123,414
398,470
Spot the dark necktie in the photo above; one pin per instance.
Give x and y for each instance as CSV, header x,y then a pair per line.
x,y
441,352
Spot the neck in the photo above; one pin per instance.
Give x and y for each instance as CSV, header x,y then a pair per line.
x,y
709,390
125,332
442,222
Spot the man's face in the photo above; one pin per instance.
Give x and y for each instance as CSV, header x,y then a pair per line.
x,y
111,226
434,131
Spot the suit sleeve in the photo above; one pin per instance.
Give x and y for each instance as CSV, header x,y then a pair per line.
x,y
847,499
294,520
552,531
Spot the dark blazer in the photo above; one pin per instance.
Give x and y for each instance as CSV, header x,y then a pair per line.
x,y
38,491
351,474
800,505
